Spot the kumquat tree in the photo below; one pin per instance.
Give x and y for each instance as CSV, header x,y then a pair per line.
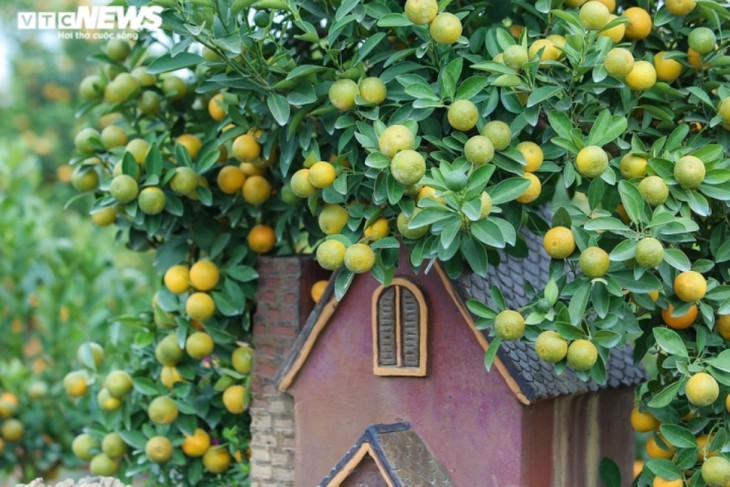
x,y
457,131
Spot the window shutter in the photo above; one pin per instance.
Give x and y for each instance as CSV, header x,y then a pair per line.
x,y
411,329
386,328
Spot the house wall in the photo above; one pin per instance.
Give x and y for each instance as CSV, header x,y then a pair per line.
x,y
283,303
617,436
367,474
579,432
469,420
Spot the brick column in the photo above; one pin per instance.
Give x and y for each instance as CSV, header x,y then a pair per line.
x,y
283,303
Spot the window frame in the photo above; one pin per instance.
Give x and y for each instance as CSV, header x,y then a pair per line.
x,y
400,370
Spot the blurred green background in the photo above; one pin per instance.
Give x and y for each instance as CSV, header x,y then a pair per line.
x,y
62,280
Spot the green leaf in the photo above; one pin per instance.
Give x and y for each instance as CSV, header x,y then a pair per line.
x,y
508,190
498,298
543,93
600,126
623,251
661,467
480,309
491,353
647,282
146,386
721,362
700,93
670,342
342,283
507,81
368,46
678,436
560,122
488,233
606,223
632,201
561,218
385,243
723,253
226,305
86,355
665,397
394,20
242,273
674,141
607,338
609,473
194,473
578,303
677,259
279,108
395,190
721,193
421,91
186,424
471,87
153,162
568,331
600,299
709,152
509,234
429,216
493,67
134,439
552,293
447,83
616,127
475,255
543,6
304,70
167,62
129,165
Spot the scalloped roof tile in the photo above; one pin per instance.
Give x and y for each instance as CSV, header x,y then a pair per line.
x,y
538,380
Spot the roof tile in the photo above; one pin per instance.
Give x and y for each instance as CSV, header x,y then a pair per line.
x,y
537,379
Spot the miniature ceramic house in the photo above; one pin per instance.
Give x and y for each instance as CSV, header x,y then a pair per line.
x,y
387,388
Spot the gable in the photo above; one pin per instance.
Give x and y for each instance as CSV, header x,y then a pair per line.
x,y
326,309
360,467
366,474
391,455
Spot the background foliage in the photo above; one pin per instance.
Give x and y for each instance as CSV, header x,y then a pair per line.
x,y
55,293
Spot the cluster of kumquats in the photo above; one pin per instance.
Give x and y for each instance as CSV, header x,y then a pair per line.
x,y
359,131
177,409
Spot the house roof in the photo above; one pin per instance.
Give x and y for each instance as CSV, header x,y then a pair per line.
x,y
537,379
400,454
531,379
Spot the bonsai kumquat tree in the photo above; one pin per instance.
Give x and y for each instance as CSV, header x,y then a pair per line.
x,y
453,132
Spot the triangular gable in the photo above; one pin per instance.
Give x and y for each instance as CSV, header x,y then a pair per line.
x,y
320,317
401,457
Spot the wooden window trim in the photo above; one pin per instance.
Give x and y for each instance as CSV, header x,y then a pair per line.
x,y
398,370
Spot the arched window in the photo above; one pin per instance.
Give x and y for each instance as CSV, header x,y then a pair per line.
x,y
399,330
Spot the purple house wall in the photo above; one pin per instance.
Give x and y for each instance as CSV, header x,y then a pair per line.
x,y
465,416
520,425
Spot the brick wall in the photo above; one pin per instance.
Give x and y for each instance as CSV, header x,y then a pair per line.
x,y
283,303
